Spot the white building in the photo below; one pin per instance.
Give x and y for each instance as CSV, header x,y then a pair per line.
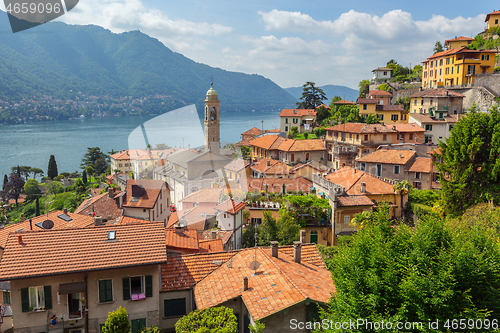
x,y
382,74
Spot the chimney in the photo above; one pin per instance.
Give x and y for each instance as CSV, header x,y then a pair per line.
x,y
297,252
363,187
97,220
245,283
302,236
120,200
214,234
268,162
394,127
274,249
65,211
22,217
111,192
31,225
178,230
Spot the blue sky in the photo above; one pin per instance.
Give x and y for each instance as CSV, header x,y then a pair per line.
x,y
294,41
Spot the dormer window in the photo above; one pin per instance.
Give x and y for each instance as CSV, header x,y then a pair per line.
x,y
112,235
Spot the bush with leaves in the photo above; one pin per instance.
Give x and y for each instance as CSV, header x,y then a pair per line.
x,y
216,319
257,327
117,322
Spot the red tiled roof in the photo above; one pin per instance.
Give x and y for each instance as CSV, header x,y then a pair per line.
x,y
253,131
211,245
230,206
131,220
237,165
297,112
407,128
279,283
437,92
269,166
223,235
265,141
497,12
367,101
426,118
151,191
52,252
351,180
386,107
388,156
309,254
323,105
195,217
77,221
457,39
103,205
379,93
421,164
354,200
343,102
182,272
303,145
245,142
204,195
183,238
275,185
360,128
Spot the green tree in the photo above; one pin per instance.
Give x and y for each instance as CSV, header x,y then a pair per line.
x,y
438,47
248,239
402,189
347,114
36,172
14,186
52,168
5,181
416,72
435,271
385,87
23,171
470,161
294,131
322,113
364,88
245,152
55,187
371,119
31,188
96,159
288,230
258,327
117,322
84,177
216,319
311,96
268,230
333,100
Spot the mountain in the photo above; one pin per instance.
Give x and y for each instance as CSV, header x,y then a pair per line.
x,y
56,58
330,91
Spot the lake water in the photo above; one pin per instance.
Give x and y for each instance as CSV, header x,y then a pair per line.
x,y
32,143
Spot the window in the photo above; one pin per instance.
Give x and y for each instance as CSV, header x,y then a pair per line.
x,y
295,120
453,59
428,127
36,298
286,128
357,136
394,117
379,170
440,72
362,166
120,165
137,287
447,61
485,57
432,63
415,101
385,73
496,21
313,237
380,117
6,297
396,169
418,175
440,62
174,307
307,156
458,72
447,71
425,65
432,72
366,137
286,120
105,291
417,185
364,106
440,115
410,136
452,70
347,219
137,325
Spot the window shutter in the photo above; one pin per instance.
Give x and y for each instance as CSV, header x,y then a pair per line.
x,y
25,299
142,323
149,285
126,288
135,326
47,292
109,290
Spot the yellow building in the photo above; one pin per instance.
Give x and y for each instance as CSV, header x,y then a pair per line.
x,y
493,19
457,42
436,101
456,67
378,103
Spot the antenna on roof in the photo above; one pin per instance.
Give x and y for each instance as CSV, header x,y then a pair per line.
x,y
254,265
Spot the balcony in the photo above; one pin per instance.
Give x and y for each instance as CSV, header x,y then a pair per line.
x,y
345,150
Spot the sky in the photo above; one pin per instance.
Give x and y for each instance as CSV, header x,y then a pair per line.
x,y
292,41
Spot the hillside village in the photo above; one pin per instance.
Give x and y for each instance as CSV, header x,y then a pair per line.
x,y
176,229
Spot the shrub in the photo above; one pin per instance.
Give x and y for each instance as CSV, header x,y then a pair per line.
x,y
217,319
117,322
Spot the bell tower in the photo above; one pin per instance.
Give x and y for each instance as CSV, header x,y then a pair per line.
x,y
212,121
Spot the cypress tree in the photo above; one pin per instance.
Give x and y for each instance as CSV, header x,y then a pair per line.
x,y
52,169
5,180
84,177
37,207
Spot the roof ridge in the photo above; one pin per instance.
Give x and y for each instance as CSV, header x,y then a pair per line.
x,y
235,253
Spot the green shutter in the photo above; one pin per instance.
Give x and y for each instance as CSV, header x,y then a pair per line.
x,y
126,289
109,291
102,291
149,285
142,323
135,326
25,299
47,292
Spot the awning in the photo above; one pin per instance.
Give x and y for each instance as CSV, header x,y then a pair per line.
x,y
71,288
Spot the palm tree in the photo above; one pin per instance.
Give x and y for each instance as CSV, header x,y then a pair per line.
x,y
402,189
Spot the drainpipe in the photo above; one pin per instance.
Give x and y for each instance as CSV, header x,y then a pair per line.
x,y
87,305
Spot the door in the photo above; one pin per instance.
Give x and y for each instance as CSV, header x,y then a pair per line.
x,y
74,305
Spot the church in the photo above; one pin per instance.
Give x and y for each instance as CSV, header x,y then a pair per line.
x,y
188,171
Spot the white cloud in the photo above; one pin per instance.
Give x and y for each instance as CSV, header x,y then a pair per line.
x,y
126,15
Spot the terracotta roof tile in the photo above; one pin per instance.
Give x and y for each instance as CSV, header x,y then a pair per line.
x,y
297,112
75,250
354,200
204,195
182,238
265,141
343,102
351,180
279,283
223,235
408,128
421,164
275,185
253,131
437,92
230,206
360,128
457,39
367,101
103,205
211,245
309,254
388,156
269,166
237,165
151,191
389,108
183,272
245,142
131,220
426,118
379,93
77,221
496,12
305,145
195,217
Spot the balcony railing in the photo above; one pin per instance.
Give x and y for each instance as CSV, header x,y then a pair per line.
x,y
345,150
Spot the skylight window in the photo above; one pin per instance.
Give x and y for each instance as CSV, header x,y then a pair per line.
x,y
112,235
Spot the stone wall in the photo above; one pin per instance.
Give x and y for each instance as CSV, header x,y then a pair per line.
x,y
490,81
479,95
